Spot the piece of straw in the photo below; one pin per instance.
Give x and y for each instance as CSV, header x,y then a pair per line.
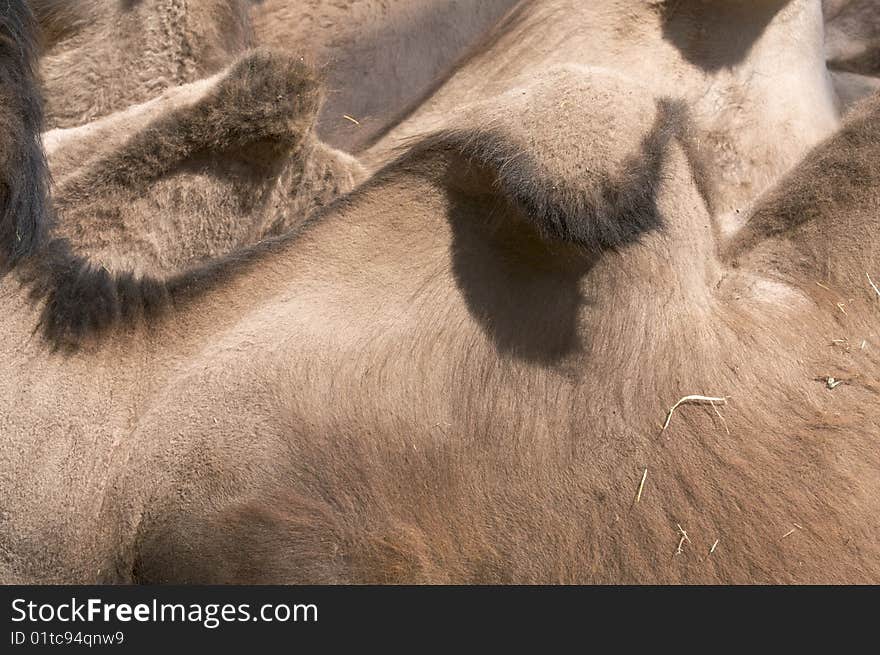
x,y
723,422
873,286
351,118
641,485
684,537
793,530
695,400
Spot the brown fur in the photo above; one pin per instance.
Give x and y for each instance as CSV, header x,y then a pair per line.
x,y
853,36
751,74
60,19
606,213
520,464
421,386
101,56
241,154
612,211
23,174
853,47
380,58
827,205
198,172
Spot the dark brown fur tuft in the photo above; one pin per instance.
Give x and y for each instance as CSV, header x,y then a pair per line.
x,y
24,176
611,214
81,298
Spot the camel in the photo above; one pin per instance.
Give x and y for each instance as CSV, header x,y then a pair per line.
x,y
517,353
751,72
378,59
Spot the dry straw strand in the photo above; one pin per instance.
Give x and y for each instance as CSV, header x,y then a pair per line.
x,y
641,486
793,530
684,538
873,286
694,400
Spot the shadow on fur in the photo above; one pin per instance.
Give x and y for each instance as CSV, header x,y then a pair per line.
x,y
685,26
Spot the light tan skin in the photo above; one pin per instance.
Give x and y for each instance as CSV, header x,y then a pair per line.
x,y
420,388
